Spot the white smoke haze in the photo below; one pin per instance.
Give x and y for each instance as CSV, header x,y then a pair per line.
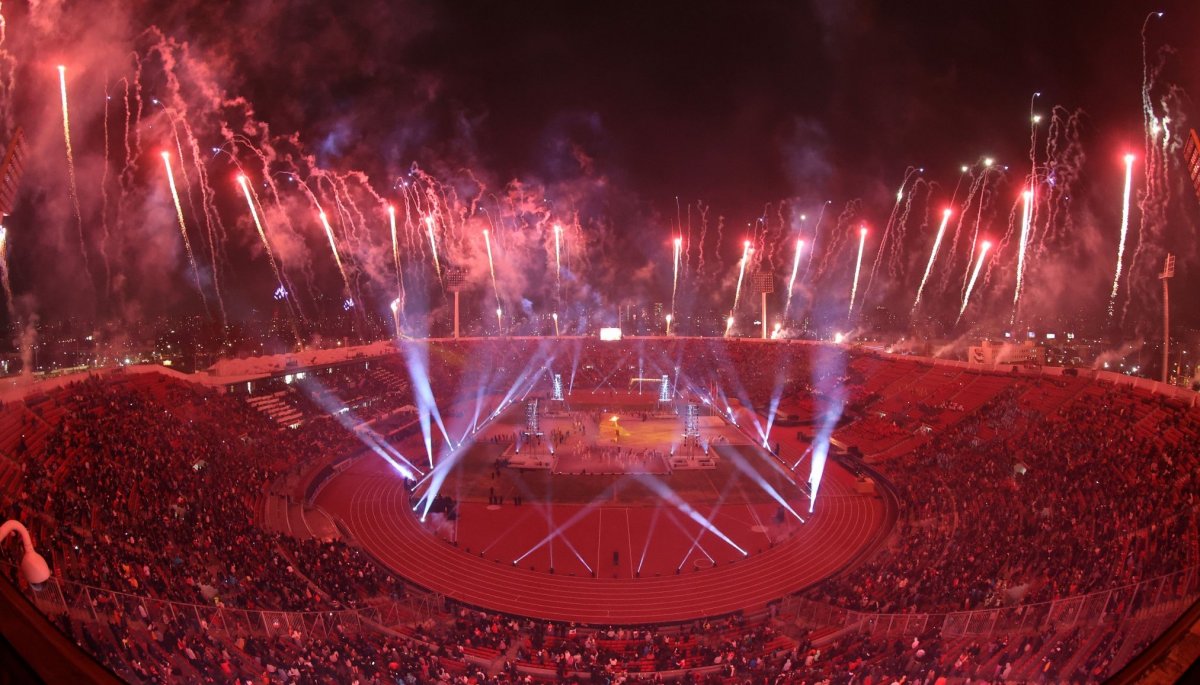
x,y
1112,357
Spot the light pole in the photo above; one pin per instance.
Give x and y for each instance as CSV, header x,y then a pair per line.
x,y
764,284
456,280
33,566
1167,274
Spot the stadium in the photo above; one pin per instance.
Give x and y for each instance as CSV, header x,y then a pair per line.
x,y
277,517
846,342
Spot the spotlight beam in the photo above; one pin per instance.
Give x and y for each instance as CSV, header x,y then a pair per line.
x,y
683,529
575,518
740,464
708,524
649,535
665,492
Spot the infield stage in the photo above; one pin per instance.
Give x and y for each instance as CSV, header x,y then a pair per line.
x,y
626,541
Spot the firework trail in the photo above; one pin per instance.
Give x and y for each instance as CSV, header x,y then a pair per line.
x,y
816,235
841,236
8,296
958,185
557,255
675,277
937,242
1026,218
792,280
1064,158
329,183
728,325
1152,198
401,296
214,230
491,266
437,265
1034,119
978,188
888,228
74,188
411,210
983,250
187,244
270,254
104,232
900,231
395,307
718,242
703,212
337,258
499,321
395,256
1112,298
737,293
862,243
687,246
975,234
258,225
282,211
8,69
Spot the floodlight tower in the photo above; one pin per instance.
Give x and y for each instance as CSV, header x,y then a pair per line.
x,y
1168,272
456,280
533,428
691,428
557,396
532,425
764,284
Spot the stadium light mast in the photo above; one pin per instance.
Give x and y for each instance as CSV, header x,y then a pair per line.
x,y
33,565
1168,272
765,285
456,280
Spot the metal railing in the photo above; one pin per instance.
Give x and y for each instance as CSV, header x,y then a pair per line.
x,y
1171,592
84,602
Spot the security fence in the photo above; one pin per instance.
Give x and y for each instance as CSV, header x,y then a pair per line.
x,y
84,602
1168,593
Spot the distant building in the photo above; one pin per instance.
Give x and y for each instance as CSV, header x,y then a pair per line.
x,y
988,352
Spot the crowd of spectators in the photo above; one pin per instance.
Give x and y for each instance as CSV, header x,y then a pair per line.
x,y
1016,503
152,487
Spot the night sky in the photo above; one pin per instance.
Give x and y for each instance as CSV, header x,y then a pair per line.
x,y
743,103
734,105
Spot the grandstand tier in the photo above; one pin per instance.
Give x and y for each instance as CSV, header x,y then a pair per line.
x,y
252,524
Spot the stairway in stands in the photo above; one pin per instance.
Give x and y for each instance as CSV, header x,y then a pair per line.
x,y
277,407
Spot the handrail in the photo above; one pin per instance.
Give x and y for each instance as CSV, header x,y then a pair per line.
x,y
1139,667
1085,609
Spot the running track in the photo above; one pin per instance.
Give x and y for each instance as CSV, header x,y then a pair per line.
x,y
373,504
